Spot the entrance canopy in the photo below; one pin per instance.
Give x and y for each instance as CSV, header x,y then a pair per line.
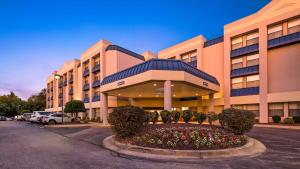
x,y
146,80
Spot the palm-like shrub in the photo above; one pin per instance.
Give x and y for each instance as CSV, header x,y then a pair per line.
x,y
165,116
187,115
175,116
126,120
201,117
74,106
288,120
153,116
236,120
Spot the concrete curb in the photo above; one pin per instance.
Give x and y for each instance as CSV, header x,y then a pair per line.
x,y
278,126
251,149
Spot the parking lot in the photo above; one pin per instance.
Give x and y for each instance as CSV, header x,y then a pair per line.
x,y
24,145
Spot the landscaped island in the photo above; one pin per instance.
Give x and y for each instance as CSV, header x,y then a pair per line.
x,y
134,126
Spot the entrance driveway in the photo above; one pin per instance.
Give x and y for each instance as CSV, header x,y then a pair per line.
x,y
24,145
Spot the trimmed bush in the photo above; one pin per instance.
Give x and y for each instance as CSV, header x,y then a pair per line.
x,y
175,116
165,116
276,119
288,120
201,117
211,116
236,120
126,120
147,114
74,106
153,117
296,119
187,115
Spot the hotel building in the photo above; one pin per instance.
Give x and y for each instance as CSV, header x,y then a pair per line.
x,y
253,66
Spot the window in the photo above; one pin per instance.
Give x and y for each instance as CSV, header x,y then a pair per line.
x,y
275,31
189,56
86,80
237,43
86,94
237,83
252,81
185,58
276,109
97,92
294,109
253,60
252,38
96,61
236,63
97,77
294,26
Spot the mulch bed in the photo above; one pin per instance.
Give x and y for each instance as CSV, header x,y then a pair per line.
x,y
185,137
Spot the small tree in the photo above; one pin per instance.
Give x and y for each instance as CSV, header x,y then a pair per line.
x,y
187,115
74,106
153,116
211,116
175,115
165,116
201,117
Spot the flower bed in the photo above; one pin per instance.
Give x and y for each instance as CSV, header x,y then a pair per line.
x,y
185,137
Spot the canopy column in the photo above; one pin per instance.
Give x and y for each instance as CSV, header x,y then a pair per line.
x,y
167,95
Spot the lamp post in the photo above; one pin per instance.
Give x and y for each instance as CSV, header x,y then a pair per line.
x,y
57,76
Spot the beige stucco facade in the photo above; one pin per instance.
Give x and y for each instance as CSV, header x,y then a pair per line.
x,y
256,64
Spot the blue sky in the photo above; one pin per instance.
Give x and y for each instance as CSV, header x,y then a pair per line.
x,y
36,37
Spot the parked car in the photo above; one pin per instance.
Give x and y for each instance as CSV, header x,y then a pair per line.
x,y
9,119
2,118
57,118
26,116
37,116
19,118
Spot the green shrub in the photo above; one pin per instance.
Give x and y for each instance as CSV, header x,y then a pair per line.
x,y
296,119
288,120
211,116
187,115
153,117
175,116
276,119
236,120
201,117
165,116
74,106
147,114
126,120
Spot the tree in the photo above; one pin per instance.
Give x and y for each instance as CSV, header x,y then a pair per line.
x,y
37,102
10,105
74,106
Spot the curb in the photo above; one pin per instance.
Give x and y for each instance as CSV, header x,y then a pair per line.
x,y
278,126
252,148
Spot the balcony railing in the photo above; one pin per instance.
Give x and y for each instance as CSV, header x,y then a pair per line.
x,y
86,72
214,41
86,100
245,91
193,63
60,104
60,85
284,40
86,87
51,97
245,71
96,98
51,89
244,50
65,83
71,80
60,95
71,91
96,83
96,68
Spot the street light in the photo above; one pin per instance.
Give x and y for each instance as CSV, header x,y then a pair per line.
x,y
57,76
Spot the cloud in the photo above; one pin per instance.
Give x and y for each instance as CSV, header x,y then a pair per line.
x,y
6,88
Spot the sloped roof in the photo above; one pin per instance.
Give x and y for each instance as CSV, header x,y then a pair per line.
x,y
159,64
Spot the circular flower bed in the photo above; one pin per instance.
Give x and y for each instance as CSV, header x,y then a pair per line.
x,y
185,137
